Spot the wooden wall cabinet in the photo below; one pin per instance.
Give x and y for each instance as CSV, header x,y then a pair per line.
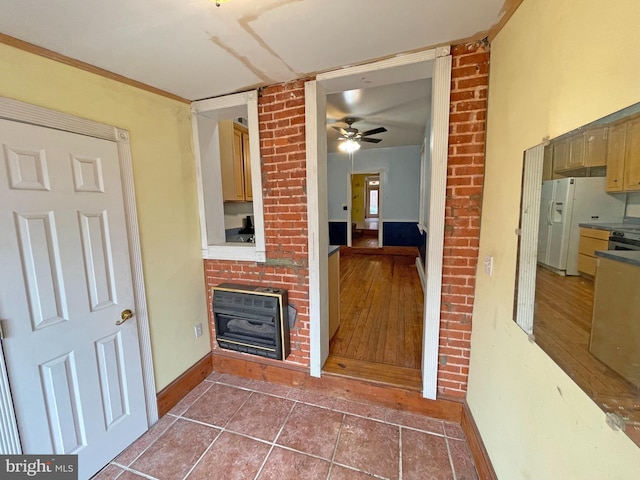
x,y
576,152
595,147
623,156
632,156
591,240
235,162
560,155
582,150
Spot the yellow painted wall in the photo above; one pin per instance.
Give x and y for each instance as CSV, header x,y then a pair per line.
x,y
556,65
164,176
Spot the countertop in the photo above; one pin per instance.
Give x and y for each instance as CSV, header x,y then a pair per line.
x,y
625,256
629,227
333,249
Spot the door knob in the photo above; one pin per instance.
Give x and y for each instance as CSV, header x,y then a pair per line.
x,y
124,316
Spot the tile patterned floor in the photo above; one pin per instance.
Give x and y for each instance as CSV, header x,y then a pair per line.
x,y
230,428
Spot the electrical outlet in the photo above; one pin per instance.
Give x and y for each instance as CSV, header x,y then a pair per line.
x,y
198,330
488,265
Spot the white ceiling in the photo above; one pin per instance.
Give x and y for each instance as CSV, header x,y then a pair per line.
x,y
195,50
402,108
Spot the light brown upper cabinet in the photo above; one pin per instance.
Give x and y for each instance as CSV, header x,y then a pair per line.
x,y
576,151
632,156
582,150
615,156
623,156
594,149
235,162
560,155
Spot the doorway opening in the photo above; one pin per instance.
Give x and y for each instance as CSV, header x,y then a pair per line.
x,y
434,65
379,336
366,209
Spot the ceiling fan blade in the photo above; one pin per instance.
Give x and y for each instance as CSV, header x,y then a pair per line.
x,y
370,140
341,130
374,131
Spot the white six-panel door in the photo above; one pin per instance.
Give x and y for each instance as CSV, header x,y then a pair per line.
x,y
65,277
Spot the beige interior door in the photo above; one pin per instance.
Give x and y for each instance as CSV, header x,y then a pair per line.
x,y
75,375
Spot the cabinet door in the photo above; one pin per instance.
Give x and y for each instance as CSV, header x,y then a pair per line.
x,y
615,157
228,168
632,156
560,156
576,151
238,164
246,160
595,147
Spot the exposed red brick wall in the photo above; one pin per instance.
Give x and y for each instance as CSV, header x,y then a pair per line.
x,y
283,152
465,177
283,155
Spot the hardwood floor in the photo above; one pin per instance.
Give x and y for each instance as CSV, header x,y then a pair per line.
x,y
365,237
562,325
366,241
380,334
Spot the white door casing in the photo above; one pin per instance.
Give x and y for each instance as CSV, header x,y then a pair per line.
x,y
71,264
435,238
439,59
318,219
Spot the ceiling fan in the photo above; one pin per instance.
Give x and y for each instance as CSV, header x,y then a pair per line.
x,y
354,134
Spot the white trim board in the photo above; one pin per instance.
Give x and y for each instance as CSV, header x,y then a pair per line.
x,y
435,239
25,113
204,120
528,236
435,63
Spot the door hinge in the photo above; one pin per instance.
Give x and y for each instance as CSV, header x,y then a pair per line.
x,y
1,331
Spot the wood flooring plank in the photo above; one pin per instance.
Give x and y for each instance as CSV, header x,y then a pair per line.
x,y
381,309
409,378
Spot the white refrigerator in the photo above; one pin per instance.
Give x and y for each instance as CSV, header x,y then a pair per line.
x,y
564,204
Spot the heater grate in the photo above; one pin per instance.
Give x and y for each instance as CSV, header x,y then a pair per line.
x,y
252,320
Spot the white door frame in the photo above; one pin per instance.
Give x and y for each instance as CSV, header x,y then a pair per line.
x,y
25,113
317,202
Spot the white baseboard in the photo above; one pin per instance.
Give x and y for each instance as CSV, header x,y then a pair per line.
x,y
420,268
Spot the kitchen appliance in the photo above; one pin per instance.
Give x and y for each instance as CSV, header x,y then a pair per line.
x,y
624,240
564,204
247,225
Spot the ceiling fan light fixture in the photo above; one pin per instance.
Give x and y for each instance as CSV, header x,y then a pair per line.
x,y
349,146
